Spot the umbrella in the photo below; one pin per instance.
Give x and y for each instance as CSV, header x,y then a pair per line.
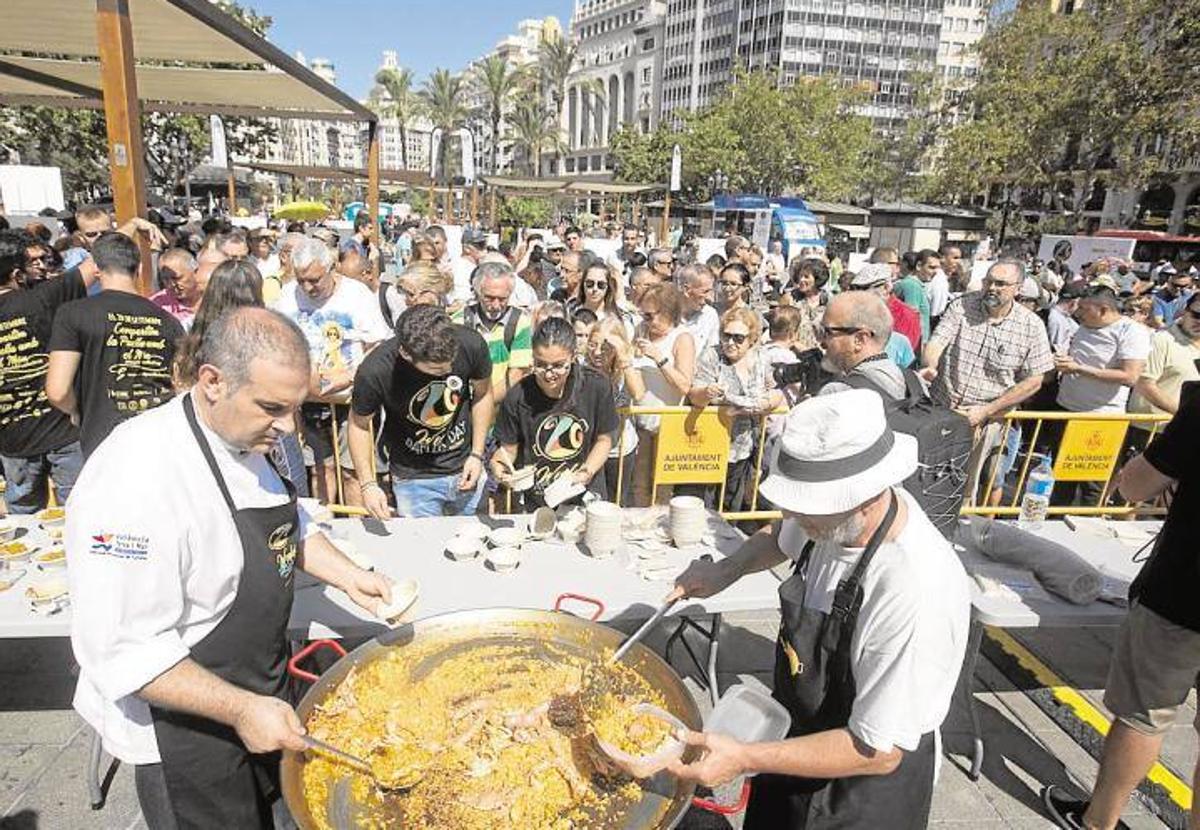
x,y
352,210
303,211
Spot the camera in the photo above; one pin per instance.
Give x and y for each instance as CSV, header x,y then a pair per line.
x,y
807,372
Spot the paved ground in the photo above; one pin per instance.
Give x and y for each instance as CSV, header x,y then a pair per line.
x,y
43,747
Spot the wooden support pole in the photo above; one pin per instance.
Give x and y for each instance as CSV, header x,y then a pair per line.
x,y
637,210
232,191
373,177
449,211
618,208
492,210
123,119
474,203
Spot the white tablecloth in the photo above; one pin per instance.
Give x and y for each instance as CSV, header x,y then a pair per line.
x,y
413,549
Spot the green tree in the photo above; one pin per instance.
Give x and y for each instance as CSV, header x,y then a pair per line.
x,y
443,99
402,103
765,138
497,82
535,130
1067,102
526,211
556,60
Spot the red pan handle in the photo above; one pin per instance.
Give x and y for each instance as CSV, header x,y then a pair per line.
x,y
589,600
725,809
293,665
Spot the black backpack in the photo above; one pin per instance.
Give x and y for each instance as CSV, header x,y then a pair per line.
x,y
944,441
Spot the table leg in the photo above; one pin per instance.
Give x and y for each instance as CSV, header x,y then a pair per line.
x,y
95,756
967,684
708,668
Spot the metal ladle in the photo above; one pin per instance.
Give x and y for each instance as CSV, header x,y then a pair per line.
x,y
365,767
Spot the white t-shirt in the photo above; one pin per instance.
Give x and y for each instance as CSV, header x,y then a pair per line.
x,y
705,327
1103,348
154,562
462,269
912,629
1061,328
523,296
339,329
937,292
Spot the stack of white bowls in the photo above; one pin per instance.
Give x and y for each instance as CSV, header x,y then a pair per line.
x,y
603,533
688,520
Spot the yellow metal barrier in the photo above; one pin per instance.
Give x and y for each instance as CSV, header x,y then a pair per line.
x,y
1102,457
719,476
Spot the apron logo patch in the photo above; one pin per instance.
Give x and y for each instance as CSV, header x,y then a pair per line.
x,y
120,545
281,544
794,664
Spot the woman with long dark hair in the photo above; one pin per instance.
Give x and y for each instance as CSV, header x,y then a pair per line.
x,y
235,283
560,419
598,294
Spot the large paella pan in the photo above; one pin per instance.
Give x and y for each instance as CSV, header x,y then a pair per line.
x,y
447,689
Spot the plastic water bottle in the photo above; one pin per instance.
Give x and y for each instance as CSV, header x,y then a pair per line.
x,y
1036,503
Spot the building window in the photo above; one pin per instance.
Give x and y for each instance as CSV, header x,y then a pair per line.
x,y
648,44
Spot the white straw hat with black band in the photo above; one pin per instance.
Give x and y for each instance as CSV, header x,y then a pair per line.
x,y
836,453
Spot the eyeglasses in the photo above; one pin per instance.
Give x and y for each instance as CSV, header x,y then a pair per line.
x,y
601,284
728,285
551,368
91,234
871,287
734,337
998,283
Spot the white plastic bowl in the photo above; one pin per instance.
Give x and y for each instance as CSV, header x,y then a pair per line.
x,y
7,531
473,530
506,537
504,558
522,479
644,766
460,548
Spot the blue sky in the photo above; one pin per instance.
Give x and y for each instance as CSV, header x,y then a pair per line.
x,y
425,33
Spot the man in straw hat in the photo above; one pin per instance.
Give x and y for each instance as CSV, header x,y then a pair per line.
x,y
874,626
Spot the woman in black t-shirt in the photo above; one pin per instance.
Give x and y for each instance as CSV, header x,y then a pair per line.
x,y
560,419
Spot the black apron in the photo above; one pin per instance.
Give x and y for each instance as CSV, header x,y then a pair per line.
x,y
213,781
815,681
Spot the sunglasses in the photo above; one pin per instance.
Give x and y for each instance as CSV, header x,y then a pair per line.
x,y
92,234
734,337
823,332
602,284
870,287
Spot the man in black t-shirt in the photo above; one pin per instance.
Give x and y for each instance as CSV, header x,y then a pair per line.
x,y
433,383
1156,662
37,441
111,354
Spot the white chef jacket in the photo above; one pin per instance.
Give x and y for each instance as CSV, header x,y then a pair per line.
x,y
154,561
911,635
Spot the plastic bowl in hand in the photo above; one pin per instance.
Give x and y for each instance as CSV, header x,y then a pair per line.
x,y
7,531
460,548
522,479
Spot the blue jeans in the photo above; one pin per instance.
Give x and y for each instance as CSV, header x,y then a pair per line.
x,y
27,489
417,497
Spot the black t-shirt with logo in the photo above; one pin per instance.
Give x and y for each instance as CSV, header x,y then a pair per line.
x,y
427,419
556,435
127,345
29,425
1169,583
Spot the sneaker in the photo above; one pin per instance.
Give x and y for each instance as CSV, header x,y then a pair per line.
x,y
1067,812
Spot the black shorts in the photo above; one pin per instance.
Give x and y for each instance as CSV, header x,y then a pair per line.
x,y
316,427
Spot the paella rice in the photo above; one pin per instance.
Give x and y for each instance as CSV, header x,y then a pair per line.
x,y
464,738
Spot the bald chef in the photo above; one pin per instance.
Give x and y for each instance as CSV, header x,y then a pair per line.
x,y
183,541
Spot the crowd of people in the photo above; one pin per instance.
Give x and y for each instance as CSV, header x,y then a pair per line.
x,y
447,374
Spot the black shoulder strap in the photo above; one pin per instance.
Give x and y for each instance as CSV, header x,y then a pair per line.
x,y
848,595
383,303
916,392
510,328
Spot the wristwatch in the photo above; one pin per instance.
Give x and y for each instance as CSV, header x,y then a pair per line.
x,y
662,363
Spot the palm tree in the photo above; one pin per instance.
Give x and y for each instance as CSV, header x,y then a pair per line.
x,y
402,103
556,59
496,82
442,96
535,129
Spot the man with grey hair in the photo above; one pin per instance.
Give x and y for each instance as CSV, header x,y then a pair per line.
x,y
696,283
183,542
505,328
341,321
987,355
662,262
855,334
181,291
